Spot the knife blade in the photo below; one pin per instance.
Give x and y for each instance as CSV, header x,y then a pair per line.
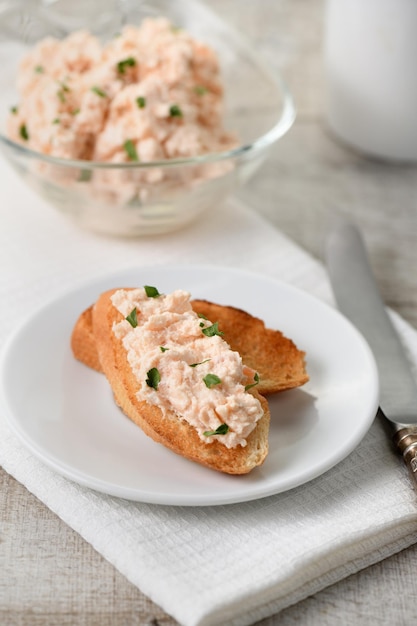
x,y
358,298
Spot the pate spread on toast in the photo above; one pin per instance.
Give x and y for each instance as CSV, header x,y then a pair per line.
x,y
135,394
200,422
278,361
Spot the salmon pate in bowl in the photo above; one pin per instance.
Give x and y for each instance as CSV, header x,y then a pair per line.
x,y
133,118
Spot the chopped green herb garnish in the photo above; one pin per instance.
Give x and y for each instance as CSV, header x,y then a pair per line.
x,y
122,65
75,112
24,132
85,176
151,292
162,349
212,330
56,120
220,430
14,110
132,318
154,378
99,92
202,316
200,90
130,149
211,379
201,324
39,69
201,363
256,379
141,102
61,92
175,111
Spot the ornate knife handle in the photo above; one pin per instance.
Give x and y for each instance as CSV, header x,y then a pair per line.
x,y
406,441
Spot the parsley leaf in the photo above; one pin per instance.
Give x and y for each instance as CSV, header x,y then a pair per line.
x,y
61,92
212,330
175,111
220,430
162,349
130,149
132,318
200,90
85,176
99,92
122,65
200,363
151,292
24,132
211,379
39,69
154,378
141,102
256,379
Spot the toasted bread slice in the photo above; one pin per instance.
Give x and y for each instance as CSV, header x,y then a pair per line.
x,y
169,430
279,363
277,360
83,342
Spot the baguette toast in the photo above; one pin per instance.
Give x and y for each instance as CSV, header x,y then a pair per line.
x,y
279,363
166,427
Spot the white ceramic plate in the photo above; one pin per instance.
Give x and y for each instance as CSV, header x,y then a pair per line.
x,y
64,412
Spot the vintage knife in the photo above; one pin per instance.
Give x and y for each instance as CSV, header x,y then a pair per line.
x,y
358,298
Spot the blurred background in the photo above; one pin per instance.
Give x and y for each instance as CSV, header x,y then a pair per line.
x,y
310,175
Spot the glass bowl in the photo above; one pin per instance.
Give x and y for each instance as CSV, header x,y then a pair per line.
x,y
144,197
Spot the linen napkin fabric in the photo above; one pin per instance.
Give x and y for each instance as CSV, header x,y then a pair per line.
x,y
231,564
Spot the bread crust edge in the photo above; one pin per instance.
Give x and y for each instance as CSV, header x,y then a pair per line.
x,y
172,432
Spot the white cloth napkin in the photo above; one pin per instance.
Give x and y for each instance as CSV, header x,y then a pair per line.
x,y
213,565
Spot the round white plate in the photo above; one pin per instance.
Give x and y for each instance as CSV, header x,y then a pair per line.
x,y
64,412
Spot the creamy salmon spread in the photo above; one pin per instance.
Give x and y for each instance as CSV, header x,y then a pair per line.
x,y
184,366
153,92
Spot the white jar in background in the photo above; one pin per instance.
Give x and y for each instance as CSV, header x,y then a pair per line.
x,y
370,56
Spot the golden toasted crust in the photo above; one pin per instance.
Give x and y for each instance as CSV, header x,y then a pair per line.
x,y
277,360
83,343
169,430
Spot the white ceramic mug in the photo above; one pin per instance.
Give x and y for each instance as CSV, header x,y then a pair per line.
x,y
370,56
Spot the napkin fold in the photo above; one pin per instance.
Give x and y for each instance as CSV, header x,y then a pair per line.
x,y
230,565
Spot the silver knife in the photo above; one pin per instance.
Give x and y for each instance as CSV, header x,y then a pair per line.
x,y
358,298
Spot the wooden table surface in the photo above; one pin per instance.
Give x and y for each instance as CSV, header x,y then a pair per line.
x,y
50,575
